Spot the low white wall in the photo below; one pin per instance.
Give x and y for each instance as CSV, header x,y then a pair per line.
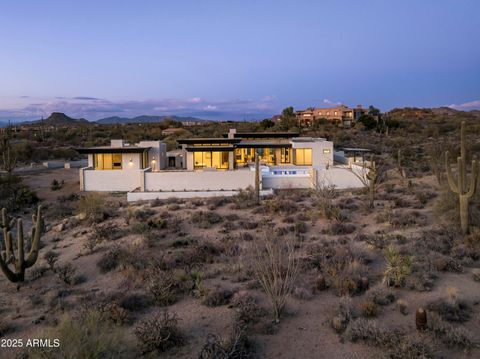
x,y
112,180
340,177
146,196
199,180
285,182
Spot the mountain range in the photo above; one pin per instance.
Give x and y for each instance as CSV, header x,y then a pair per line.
x,y
146,119
59,118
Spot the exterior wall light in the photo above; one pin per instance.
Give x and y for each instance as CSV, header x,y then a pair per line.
x,y
153,163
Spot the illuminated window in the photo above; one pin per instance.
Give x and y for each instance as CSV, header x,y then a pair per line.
x,y
326,151
108,161
217,159
303,156
285,155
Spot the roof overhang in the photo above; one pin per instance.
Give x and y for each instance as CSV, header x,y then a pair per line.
x,y
209,148
89,150
265,134
196,141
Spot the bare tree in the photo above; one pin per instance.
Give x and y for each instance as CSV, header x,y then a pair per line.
x,y
276,268
370,174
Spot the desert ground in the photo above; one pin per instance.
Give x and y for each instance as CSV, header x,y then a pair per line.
x,y
108,269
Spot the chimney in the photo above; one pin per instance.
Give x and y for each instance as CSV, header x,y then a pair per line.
x,y
116,143
232,132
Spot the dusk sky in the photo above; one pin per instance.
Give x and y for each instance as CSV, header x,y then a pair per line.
x,y
234,59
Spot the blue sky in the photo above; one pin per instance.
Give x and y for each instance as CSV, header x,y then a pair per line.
x,y
235,59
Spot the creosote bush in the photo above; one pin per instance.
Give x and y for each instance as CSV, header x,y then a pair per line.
x,y
88,335
159,332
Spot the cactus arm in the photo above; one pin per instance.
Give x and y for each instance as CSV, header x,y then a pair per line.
x,y
11,276
462,140
473,180
35,241
451,181
20,245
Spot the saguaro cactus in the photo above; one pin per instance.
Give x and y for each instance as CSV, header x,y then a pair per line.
x,y
372,180
460,185
7,257
257,179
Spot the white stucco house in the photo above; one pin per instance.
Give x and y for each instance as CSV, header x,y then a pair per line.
x,y
213,166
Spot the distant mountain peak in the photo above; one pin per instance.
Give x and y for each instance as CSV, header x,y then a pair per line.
x,y
59,118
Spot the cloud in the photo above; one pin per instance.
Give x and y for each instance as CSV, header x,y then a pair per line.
x,y
467,106
93,108
332,103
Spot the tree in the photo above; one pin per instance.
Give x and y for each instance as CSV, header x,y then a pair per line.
x,y
9,159
288,120
368,121
373,111
266,123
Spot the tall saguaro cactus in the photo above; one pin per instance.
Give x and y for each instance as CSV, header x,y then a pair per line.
x,y
19,262
460,185
371,176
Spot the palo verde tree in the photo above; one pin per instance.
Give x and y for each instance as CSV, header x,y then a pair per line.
x,y
459,186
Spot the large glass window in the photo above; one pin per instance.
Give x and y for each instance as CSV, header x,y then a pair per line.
x,y
285,155
108,161
217,159
303,156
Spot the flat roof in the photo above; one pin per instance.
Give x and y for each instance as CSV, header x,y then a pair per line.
x,y
108,149
264,134
208,140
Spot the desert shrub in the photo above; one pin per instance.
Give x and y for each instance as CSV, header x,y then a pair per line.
x,y
206,219
245,236
216,202
302,293
247,310
93,206
407,219
232,217
343,266
107,233
368,308
381,296
402,306
191,283
324,200
250,224
217,297
162,285
341,228
90,244
56,185
245,198
87,336
343,315
135,302
237,346
279,205
425,196
476,274
399,267
371,333
111,259
66,273
452,308
276,269
51,258
300,227
159,332
452,336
